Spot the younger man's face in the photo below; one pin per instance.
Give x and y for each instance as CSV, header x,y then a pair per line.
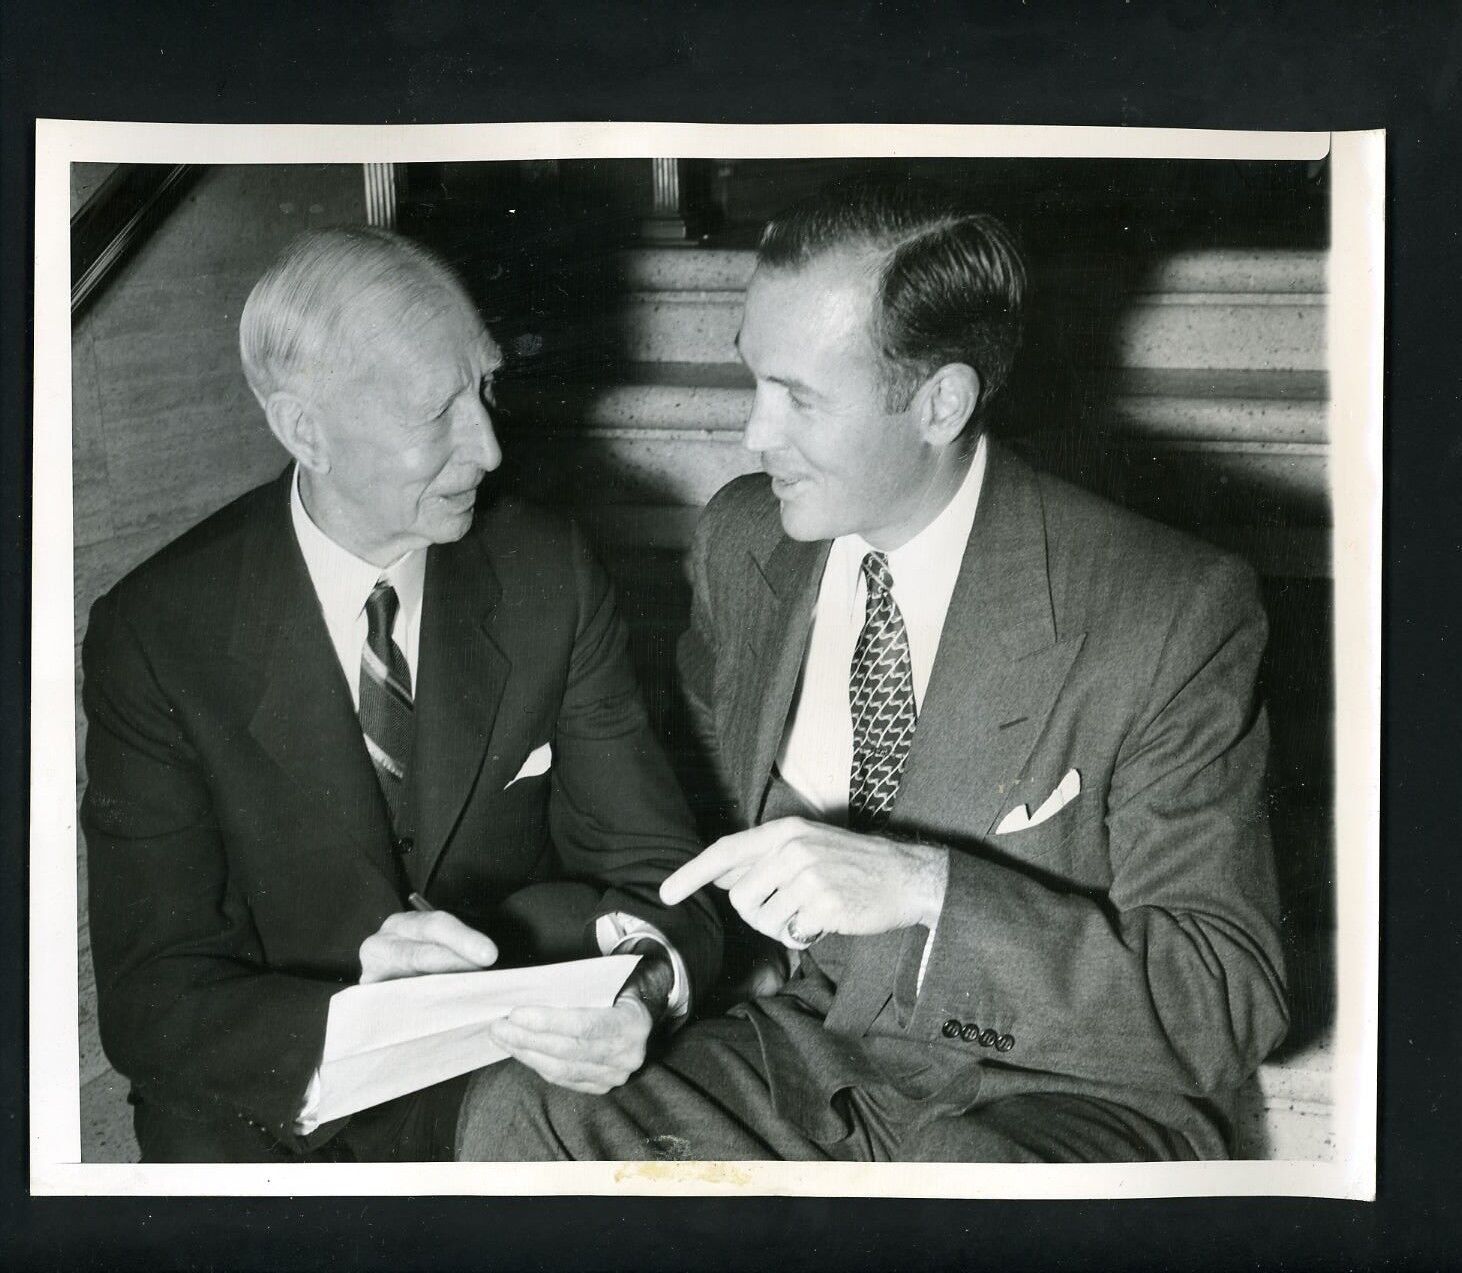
x,y
839,462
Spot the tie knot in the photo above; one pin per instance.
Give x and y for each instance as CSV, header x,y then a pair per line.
x,y
878,575
381,608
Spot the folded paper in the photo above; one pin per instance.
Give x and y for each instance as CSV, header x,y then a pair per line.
x,y
392,1037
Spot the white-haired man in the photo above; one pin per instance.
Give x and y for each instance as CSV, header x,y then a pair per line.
x,y
362,681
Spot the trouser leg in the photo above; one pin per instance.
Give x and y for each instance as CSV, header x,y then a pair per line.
x,y
706,1098
169,1136
1043,1128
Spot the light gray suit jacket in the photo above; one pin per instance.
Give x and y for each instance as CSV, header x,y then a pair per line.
x,y
1126,947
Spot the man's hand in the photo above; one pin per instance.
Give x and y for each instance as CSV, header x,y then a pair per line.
x,y
826,878
411,943
592,1049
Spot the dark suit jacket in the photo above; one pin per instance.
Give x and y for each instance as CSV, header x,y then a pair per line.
x,y
239,848
1128,945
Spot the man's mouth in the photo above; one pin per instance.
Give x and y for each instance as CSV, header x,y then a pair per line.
x,y
785,485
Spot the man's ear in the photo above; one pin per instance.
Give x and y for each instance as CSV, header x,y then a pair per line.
x,y
947,402
294,423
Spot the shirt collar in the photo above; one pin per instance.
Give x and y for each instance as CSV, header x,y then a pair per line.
x,y
342,580
941,544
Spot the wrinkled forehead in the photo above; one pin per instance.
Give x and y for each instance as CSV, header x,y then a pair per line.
x,y
411,353
385,320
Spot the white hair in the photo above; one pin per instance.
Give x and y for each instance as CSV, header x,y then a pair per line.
x,y
310,314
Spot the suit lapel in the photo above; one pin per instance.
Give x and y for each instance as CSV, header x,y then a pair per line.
x,y
776,641
998,671
461,675
304,719
1000,665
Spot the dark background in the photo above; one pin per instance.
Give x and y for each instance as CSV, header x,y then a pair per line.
x,y
1222,65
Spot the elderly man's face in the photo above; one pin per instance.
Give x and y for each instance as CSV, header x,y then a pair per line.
x,y
408,432
840,464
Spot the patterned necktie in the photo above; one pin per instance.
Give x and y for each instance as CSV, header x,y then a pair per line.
x,y
385,697
881,696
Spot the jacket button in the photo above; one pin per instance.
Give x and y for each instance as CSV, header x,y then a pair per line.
x,y
951,1028
987,1038
403,844
1004,1043
971,1033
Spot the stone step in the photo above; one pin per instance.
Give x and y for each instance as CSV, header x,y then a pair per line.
x,y
1220,309
1225,406
1295,272
1200,481
93,1061
106,1120
1288,1111
1220,330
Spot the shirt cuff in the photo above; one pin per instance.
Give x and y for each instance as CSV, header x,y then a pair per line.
x,y
308,1120
615,931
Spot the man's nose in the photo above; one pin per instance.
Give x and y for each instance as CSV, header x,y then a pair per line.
x,y
763,431
479,443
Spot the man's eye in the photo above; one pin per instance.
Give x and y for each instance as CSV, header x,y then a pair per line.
x,y
487,393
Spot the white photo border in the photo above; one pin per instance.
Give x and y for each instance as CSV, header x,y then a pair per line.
x,y
1357,166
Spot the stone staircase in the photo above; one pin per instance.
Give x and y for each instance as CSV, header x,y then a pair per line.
x,y
1217,366
1192,388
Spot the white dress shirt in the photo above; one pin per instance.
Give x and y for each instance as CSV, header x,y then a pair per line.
x,y
816,757
343,582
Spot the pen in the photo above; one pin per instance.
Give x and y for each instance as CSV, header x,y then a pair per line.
x,y
418,903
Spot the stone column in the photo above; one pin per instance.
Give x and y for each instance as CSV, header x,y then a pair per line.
x,y
670,218
382,187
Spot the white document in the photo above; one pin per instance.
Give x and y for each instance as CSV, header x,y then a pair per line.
x,y
392,1037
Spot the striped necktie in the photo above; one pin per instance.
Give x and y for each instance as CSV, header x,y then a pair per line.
x,y
881,697
385,697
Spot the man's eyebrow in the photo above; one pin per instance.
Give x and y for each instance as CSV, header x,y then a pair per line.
x,y
795,385
788,382
437,405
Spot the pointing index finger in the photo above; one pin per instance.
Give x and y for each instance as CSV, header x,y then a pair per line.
x,y
712,864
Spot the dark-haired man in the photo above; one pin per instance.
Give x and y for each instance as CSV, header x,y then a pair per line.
x,y
995,748
361,684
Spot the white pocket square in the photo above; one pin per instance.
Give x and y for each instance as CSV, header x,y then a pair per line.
x,y
1022,819
539,759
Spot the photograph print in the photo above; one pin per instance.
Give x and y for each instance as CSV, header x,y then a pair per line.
x,y
820,660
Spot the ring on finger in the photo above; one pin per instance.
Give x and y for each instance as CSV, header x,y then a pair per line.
x,y
797,937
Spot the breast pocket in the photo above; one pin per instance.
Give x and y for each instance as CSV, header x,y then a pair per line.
x,y
1040,830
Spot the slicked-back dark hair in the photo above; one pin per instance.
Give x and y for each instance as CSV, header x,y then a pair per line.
x,y
951,284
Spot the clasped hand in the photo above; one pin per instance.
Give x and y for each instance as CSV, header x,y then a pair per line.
x,y
586,1049
826,878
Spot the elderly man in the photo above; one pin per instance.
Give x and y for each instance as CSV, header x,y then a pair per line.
x,y
995,747
362,685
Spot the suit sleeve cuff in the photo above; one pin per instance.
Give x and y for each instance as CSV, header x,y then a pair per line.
x,y
615,931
